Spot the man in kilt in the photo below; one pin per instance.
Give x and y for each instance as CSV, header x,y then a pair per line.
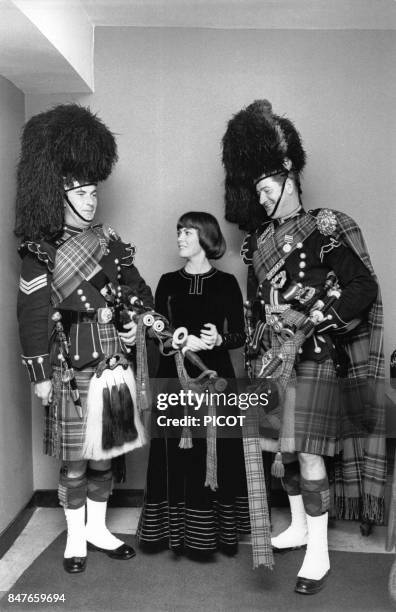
x,y
68,297
316,330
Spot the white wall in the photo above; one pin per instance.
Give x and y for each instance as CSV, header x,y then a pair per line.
x,y
66,26
168,93
16,483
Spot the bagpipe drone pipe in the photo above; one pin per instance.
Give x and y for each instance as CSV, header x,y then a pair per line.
x,y
289,329
291,324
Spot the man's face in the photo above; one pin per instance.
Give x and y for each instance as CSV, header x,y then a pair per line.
x,y
268,192
84,200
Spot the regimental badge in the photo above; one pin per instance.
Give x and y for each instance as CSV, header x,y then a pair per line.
x,y
110,233
104,315
326,222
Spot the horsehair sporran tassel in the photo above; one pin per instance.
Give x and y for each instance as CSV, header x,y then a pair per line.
x,y
107,427
127,421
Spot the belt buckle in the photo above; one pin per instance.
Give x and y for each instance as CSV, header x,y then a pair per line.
x,y
104,315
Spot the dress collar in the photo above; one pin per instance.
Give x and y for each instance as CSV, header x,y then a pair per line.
x,y
196,281
207,274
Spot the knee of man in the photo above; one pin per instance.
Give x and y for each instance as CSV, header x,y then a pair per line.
x,y
309,461
73,469
102,465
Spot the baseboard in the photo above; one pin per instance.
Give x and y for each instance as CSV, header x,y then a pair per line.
x,y
120,498
48,498
10,533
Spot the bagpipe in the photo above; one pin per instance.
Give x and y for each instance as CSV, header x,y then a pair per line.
x,y
119,393
170,341
290,324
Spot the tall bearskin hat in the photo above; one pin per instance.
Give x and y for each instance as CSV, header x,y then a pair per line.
x,y
63,144
256,144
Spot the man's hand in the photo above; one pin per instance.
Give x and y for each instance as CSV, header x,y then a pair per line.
x,y
210,336
43,390
129,337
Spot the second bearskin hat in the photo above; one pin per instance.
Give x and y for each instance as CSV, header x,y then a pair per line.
x,y
256,143
66,143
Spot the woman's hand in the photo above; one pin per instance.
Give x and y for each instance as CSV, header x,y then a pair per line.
x,y
43,390
195,344
129,337
210,336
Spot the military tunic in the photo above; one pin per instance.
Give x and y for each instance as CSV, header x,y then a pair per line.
x,y
297,284
338,406
90,338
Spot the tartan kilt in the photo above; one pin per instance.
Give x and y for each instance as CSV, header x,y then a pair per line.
x,y
329,409
63,428
317,416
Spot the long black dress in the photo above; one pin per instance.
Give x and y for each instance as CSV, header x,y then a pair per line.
x,y
179,512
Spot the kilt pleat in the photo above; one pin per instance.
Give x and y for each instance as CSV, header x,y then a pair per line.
x,y
317,410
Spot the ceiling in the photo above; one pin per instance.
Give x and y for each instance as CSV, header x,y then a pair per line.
x,y
47,45
258,14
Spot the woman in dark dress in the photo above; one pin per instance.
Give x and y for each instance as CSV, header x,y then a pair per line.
x,y
179,511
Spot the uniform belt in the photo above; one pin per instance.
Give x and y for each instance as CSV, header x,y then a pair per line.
x,y
101,315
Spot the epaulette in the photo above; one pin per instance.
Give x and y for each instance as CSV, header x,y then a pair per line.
x,y
326,221
44,252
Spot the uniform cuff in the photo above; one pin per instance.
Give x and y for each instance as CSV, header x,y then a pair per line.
x,y
38,367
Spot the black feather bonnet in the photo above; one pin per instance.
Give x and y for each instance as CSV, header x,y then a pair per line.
x,y
256,143
63,144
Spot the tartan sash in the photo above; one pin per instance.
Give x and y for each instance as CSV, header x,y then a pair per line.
x,y
270,256
77,259
374,451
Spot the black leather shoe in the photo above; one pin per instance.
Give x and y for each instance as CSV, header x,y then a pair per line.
x,y
123,552
284,550
307,586
74,565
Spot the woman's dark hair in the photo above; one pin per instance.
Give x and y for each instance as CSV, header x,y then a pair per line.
x,y
209,233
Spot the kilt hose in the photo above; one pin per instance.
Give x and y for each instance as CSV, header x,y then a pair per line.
x,y
63,428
